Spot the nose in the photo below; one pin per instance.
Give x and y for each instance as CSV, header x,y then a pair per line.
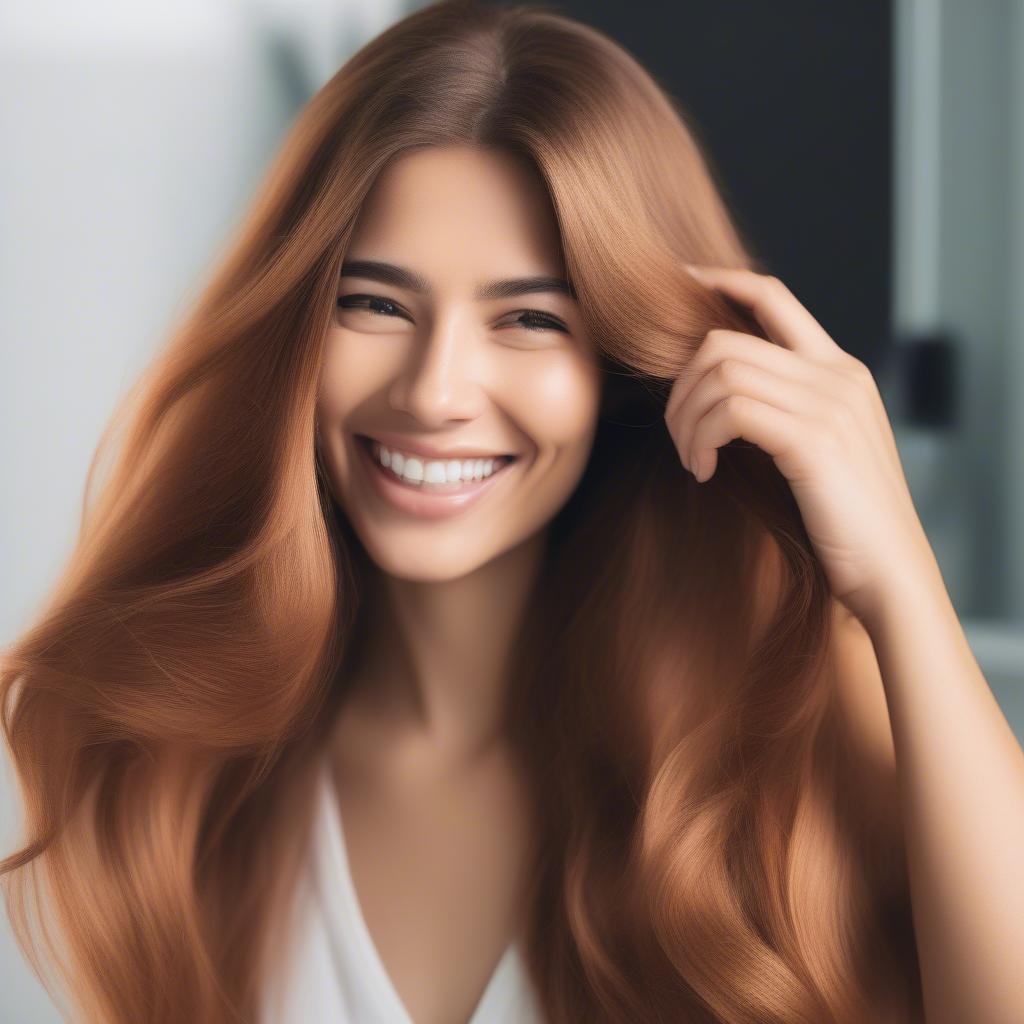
x,y
439,380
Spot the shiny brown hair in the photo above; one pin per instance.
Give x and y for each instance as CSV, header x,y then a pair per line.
x,y
703,851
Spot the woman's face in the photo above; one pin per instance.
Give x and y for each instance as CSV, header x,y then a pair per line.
x,y
451,372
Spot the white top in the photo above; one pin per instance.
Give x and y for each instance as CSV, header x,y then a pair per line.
x,y
333,971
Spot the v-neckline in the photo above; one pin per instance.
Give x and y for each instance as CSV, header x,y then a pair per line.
x,y
339,874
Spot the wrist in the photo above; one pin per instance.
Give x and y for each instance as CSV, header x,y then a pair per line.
x,y
914,587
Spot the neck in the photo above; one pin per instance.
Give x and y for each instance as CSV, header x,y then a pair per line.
x,y
433,669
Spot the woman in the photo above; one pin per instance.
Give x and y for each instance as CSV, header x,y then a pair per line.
x,y
543,615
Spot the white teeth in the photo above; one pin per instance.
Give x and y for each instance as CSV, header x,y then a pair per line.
x,y
435,471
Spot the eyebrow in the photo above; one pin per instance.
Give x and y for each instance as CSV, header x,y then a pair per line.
x,y
400,277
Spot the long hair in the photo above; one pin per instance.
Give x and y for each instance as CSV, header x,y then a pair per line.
x,y
704,853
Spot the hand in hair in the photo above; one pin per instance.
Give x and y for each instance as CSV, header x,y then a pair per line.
x,y
817,411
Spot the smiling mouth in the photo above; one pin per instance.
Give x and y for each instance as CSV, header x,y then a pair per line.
x,y
434,475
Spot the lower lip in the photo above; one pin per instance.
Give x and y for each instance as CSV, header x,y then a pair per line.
x,y
413,500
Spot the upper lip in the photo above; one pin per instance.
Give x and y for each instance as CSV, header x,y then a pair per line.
x,y
431,451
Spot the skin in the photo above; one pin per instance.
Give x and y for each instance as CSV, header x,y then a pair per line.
x,y
436,821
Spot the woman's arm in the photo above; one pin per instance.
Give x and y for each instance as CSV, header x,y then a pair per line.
x,y
960,774
959,769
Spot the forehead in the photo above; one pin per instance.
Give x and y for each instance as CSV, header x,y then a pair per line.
x,y
460,211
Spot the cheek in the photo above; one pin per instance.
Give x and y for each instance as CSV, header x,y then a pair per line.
x,y
347,379
349,374
560,404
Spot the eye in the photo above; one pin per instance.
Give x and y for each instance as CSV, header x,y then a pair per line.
x,y
539,321
530,319
372,304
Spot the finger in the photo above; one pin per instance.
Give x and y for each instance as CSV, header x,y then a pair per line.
x,y
732,377
721,344
775,431
784,318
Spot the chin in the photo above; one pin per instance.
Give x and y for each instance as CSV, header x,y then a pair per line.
x,y
417,565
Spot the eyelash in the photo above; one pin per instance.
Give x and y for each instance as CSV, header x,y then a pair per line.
x,y
551,322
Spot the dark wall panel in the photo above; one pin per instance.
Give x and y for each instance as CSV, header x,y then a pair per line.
x,y
792,99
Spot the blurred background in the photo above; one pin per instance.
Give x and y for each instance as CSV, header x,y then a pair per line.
x,y
873,154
